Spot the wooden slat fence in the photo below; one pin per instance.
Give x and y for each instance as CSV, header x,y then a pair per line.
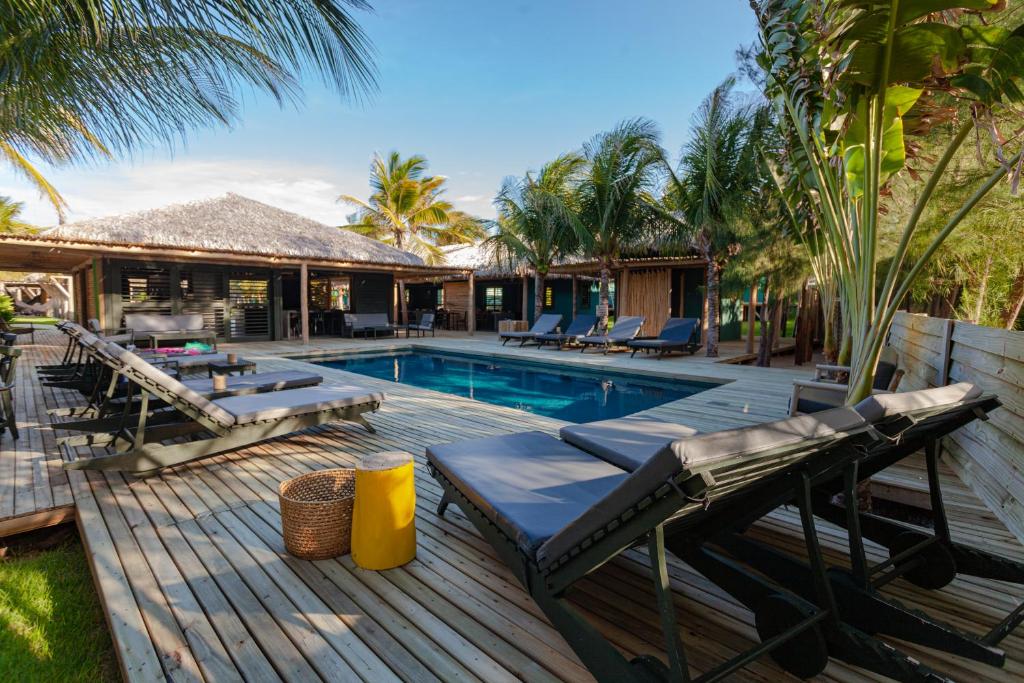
x,y
988,456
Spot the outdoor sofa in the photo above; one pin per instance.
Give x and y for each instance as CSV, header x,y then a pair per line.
x,y
827,391
121,335
678,334
545,324
214,425
368,323
162,328
555,512
581,326
624,330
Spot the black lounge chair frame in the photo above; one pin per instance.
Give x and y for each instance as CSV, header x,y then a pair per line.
x,y
929,561
799,632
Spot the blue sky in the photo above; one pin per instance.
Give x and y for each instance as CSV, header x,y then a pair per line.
x,y
483,89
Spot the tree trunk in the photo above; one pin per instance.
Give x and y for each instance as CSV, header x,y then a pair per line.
x,y
402,303
714,324
602,308
1014,302
538,295
773,321
764,349
751,317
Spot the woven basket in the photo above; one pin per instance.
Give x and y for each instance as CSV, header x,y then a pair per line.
x,y
316,513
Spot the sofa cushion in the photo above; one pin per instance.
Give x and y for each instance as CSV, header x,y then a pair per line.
x,y
627,442
293,402
140,323
530,485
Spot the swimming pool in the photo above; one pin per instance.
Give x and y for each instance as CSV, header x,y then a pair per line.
x,y
554,391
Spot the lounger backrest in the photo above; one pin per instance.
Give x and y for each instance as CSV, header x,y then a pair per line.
x,y
880,407
626,328
94,325
546,323
736,458
582,325
678,329
165,387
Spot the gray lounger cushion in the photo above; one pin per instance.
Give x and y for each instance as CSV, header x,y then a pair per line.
x,y
704,452
627,442
281,404
530,485
259,382
881,406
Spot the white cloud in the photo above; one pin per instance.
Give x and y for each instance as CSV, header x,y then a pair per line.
x,y
305,189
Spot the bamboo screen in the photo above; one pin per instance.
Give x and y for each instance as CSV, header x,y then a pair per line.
x,y
648,293
456,296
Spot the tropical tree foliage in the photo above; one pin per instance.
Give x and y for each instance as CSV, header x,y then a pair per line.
x,y
615,195
537,223
855,82
406,210
79,79
718,176
9,217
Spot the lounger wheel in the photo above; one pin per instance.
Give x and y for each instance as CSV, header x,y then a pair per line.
x,y
650,668
933,566
804,655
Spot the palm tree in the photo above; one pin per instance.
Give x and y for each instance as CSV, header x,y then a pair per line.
x,y
84,79
406,211
613,195
536,222
9,221
711,188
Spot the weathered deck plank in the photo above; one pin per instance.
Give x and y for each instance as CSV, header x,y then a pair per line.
x,y
192,571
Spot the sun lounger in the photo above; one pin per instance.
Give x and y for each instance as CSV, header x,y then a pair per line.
x,y
678,334
8,363
554,513
217,425
581,326
545,324
624,329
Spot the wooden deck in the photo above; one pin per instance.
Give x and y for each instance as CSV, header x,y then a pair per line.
x,y
192,573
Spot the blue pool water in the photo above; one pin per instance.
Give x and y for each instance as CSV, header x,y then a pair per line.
x,y
567,394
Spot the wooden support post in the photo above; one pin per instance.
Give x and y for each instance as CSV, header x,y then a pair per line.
x,y
620,294
751,317
526,297
304,301
471,306
574,281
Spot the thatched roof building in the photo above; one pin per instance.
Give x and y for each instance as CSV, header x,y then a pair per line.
x,y
232,223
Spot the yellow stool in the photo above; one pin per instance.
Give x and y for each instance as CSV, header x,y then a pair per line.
x,y
383,522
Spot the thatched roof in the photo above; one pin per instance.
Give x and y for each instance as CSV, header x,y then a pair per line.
x,y
233,223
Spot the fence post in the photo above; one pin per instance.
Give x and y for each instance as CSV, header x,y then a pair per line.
x,y
947,353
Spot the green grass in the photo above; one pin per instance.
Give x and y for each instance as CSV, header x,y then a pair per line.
x,y
37,320
790,327
51,624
